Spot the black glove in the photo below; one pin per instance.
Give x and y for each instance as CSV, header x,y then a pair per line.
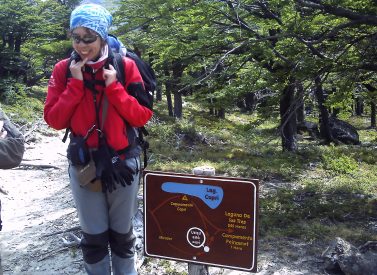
x,y
104,168
111,169
123,173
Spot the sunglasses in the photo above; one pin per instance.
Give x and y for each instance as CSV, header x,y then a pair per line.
x,y
86,39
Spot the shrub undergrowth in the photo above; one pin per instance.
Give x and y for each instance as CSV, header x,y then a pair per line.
x,y
334,187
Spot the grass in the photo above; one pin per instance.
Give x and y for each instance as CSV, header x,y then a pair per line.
x,y
330,190
25,106
334,187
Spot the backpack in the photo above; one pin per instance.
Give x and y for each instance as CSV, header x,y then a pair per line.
x,y
116,52
146,72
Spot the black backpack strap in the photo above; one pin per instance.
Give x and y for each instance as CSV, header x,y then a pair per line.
x,y
143,143
64,139
90,84
67,75
73,56
116,59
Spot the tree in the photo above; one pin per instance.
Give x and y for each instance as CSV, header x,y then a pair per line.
x,y
17,19
50,36
229,48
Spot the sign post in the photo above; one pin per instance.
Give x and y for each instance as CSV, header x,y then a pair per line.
x,y
204,220
196,269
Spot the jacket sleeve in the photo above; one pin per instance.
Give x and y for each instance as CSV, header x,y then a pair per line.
x,y
126,105
63,96
12,146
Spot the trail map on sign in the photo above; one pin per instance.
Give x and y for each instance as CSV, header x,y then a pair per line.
x,y
207,220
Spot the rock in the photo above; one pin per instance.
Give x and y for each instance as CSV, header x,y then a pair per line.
x,y
310,127
204,171
343,258
343,131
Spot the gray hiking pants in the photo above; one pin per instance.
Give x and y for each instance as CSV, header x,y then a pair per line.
x,y
106,221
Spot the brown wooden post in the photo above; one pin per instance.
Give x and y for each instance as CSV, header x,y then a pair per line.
x,y
197,269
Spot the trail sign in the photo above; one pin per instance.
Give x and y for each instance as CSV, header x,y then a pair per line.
x,y
201,219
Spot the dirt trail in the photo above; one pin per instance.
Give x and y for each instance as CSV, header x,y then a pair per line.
x,y
38,204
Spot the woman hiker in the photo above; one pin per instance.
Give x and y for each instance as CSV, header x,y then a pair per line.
x,y
85,97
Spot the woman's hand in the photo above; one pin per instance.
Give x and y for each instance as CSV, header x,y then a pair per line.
x,y
110,75
76,68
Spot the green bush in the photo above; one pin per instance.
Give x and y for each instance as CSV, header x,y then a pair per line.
x,y
23,104
341,164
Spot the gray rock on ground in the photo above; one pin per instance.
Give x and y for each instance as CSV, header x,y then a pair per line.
x,y
342,257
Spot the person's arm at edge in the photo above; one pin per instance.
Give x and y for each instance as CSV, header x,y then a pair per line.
x,y
12,147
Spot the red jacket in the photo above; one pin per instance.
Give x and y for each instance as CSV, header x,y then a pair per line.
x,y
70,105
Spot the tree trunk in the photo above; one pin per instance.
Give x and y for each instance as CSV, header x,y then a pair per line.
x,y
168,89
300,112
211,106
372,89
17,44
221,113
288,125
4,41
359,106
325,131
250,102
178,104
158,93
11,42
169,99
373,115
177,74
335,112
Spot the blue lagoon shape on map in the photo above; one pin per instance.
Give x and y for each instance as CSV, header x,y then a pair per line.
x,y
209,194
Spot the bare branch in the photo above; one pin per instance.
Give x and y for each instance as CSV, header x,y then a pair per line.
x,y
25,166
206,75
333,32
367,19
62,231
369,67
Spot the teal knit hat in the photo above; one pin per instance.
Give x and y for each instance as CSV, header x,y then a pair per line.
x,y
92,16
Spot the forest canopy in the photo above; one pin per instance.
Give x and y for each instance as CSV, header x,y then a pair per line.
x,y
279,57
